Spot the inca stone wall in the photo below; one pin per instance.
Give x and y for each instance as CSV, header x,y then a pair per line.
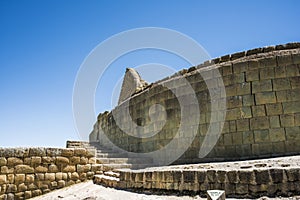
x,y
29,172
262,117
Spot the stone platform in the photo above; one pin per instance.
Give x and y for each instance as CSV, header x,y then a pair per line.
x,y
245,179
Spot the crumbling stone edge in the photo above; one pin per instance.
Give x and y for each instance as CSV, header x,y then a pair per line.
x,y
242,183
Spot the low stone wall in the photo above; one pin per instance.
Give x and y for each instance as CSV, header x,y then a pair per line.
x,y
29,172
241,183
262,117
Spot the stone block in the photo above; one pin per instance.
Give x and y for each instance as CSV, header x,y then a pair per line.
x,y
258,111
53,168
11,178
291,107
266,149
67,152
281,84
292,174
243,88
29,178
292,71
50,176
252,75
268,62
19,178
278,147
188,177
84,160
285,59
226,69
232,176
24,169
11,188
75,160
237,138
14,161
230,90
239,67
261,86
234,101
48,160
22,187
37,151
280,72
243,151
36,160
243,125
246,177
79,152
274,109
265,98
74,176
259,123
2,179
262,176
41,169
292,133
61,184
248,137
241,189
274,122
27,194
71,168
211,176
267,73
277,175
3,161
40,176
295,82
61,160
54,152
261,136
287,120
277,134
221,176
201,176
248,100
83,168
228,139
37,192
284,96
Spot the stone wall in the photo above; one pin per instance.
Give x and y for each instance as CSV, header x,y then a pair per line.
x,y
239,183
262,117
29,172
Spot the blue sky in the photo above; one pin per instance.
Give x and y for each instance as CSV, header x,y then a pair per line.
x,y
43,44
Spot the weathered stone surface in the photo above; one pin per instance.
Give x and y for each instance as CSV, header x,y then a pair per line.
x,y
132,83
24,169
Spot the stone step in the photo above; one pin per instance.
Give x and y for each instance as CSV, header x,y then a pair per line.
x,y
106,180
108,167
112,174
112,155
125,160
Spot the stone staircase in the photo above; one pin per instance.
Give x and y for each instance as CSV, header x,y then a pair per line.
x,y
110,161
112,158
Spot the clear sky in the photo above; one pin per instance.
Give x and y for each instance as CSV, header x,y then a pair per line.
x,y
43,44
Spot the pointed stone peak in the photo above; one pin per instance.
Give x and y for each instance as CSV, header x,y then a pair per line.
x,y
132,83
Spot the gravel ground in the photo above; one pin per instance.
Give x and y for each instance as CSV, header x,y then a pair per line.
x,y
90,191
